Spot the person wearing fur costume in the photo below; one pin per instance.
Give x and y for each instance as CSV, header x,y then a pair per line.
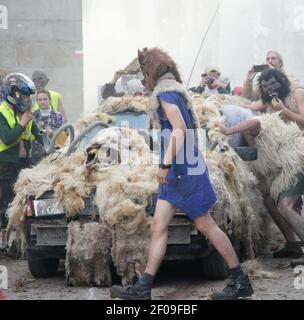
x,y
183,184
280,165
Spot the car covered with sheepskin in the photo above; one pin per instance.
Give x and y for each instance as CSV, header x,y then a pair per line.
x,y
86,205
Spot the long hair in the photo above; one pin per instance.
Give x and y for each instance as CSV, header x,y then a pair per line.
x,y
279,57
281,78
154,64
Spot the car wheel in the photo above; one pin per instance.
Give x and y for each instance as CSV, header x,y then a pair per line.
x,y
42,268
214,266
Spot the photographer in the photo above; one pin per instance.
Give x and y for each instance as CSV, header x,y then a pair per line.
x,y
211,83
275,61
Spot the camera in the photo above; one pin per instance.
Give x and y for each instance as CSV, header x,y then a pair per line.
x,y
260,68
210,81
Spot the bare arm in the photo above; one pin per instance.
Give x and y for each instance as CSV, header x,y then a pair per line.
x,y
176,140
255,106
253,125
179,130
247,88
293,116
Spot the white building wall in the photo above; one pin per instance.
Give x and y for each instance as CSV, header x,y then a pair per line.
x,y
242,33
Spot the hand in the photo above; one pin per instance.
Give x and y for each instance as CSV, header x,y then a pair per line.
x,y
277,104
271,66
225,131
26,118
217,83
40,124
251,74
162,176
117,75
203,82
50,132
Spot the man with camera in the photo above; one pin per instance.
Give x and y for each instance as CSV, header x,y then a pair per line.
x,y
211,83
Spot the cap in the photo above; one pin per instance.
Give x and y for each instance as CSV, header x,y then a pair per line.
x,y
212,69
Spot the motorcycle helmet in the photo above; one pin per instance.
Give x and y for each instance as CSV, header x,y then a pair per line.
x,y
13,84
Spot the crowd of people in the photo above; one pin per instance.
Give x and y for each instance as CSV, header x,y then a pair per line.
x,y
22,122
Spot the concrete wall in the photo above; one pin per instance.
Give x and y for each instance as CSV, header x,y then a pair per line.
x,y
46,35
241,35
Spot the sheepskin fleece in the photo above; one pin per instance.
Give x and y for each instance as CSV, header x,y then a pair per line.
x,y
168,83
210,109
66,176
255,270
280,153
122,193
239,211
130,253
123,189
86,119
88,254
114,105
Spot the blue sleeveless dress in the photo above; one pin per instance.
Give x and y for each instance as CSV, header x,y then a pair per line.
x,y
189,187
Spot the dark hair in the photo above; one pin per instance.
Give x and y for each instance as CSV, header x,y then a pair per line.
x,y
281,78
45,92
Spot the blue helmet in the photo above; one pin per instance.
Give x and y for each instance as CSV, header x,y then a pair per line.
x,y
13,84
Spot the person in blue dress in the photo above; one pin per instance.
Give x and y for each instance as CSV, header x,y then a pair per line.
x,y
183,178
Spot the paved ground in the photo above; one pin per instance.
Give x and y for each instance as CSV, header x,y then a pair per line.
x,y
174,282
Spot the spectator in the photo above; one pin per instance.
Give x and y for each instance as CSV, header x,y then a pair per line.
x,y
41,80
212,84
274,61
130,85
277,94
47,120
17,131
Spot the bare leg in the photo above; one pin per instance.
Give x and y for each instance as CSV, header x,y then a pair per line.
x,y
164,213
250,138
218,238
287,211
282,224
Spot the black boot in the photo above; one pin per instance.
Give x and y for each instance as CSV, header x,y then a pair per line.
x,y
291,250
235,289
133,292
295,263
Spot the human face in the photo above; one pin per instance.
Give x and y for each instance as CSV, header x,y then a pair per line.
x,y
271,86
213,75
43,101
40,81
273,59
25,101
